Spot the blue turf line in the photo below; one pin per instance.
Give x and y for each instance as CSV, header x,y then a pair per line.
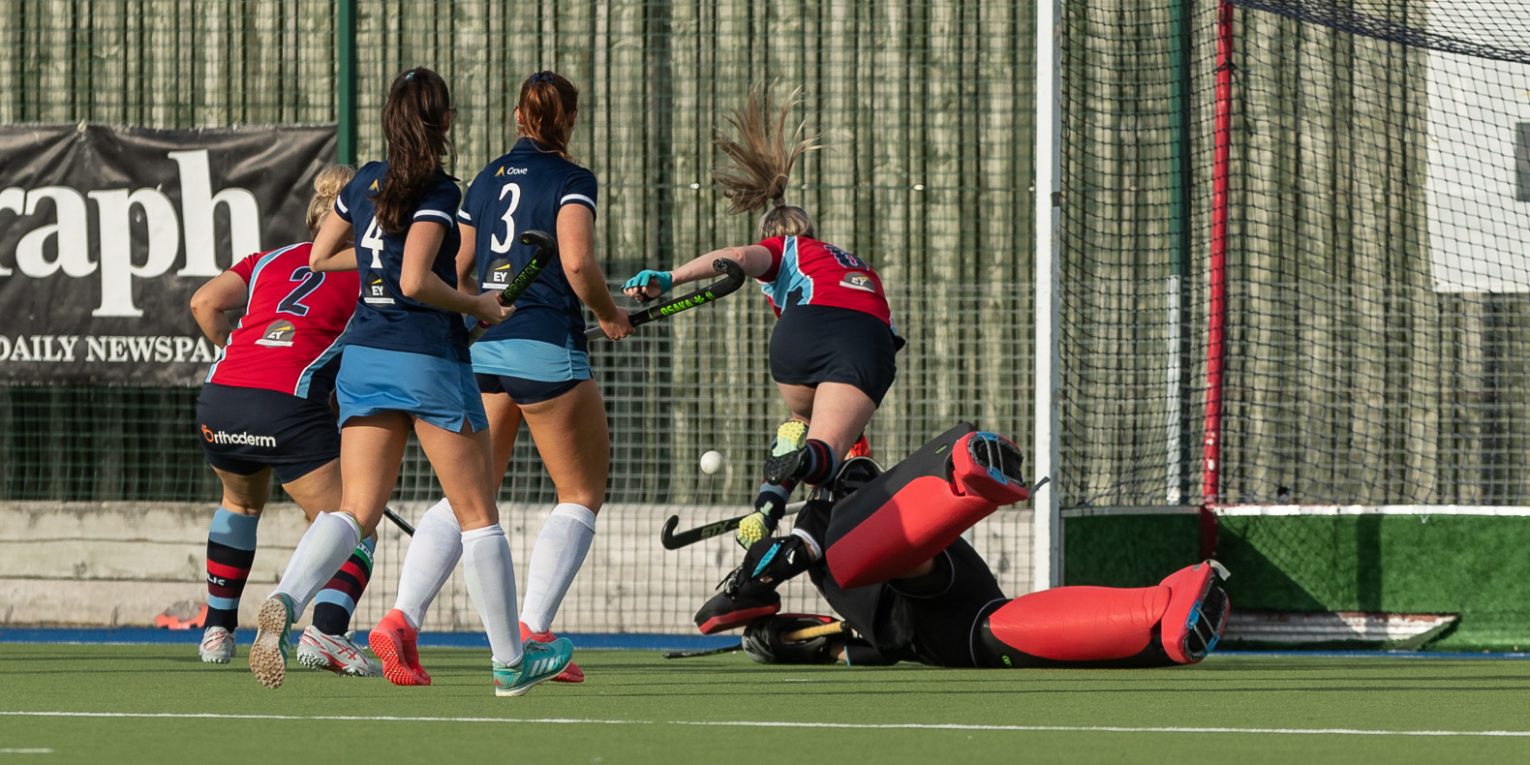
x,y
152,635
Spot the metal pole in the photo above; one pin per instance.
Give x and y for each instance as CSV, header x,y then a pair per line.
x,y
1179,253
345,81
1046,554
1211,477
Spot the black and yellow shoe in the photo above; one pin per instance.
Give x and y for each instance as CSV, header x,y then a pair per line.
x,y
786,452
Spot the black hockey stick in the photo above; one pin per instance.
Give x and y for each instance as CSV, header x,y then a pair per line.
x,y
733,278
675,541
806,633
398,520
546,249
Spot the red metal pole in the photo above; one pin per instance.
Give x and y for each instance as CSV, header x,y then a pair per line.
x,y
1211,465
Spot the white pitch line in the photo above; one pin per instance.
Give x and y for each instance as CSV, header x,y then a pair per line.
x,y
25,750
786,724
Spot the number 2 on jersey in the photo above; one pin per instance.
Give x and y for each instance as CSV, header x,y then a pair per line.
x,y
292,303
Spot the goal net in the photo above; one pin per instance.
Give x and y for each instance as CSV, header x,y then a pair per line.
x,y
1295,246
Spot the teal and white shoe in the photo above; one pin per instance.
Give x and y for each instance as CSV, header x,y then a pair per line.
x,y
540,662
268,654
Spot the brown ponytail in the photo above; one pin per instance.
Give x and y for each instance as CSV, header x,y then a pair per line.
x,y
415,120
763,163
546,110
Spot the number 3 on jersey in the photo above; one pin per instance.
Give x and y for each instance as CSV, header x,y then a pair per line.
x,y
502,246
371,239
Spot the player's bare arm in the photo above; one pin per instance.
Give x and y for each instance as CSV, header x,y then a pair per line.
x,y
212,302
331,246
418,282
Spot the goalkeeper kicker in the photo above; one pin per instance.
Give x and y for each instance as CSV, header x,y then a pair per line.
x,y
885,550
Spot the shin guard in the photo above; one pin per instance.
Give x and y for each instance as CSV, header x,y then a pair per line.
x,y
1176,622
913,511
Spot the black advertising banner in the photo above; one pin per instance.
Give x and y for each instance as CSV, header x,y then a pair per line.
x,y
105,232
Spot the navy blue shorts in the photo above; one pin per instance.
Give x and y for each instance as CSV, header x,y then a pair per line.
x,y
815,344
523,391
245,430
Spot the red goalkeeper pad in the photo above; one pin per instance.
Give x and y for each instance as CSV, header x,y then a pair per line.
x,y
923,504
1177,621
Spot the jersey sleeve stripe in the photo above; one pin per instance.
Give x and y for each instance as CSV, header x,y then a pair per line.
x,y
463,214
577,199
433,214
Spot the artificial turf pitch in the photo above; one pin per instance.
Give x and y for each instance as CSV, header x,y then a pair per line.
x,y
127,704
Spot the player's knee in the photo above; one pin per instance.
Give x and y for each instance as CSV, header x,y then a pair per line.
x,y
1177,621
241,506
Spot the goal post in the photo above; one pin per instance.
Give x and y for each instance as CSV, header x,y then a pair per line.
x,y
1357,354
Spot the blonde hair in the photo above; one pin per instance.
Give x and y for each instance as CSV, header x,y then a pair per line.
x,y
326,186
763,157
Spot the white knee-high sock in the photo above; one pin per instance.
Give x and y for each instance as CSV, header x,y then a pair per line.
x,y
555,561
433,553
491,584
319,554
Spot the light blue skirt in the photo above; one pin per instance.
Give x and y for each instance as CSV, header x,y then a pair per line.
x,y
442,392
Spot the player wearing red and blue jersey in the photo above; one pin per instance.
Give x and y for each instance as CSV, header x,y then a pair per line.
x,y
534,366
805,271
405,368
289,337
264,409
832,350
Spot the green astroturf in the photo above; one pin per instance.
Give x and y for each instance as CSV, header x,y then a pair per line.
x,y
637,707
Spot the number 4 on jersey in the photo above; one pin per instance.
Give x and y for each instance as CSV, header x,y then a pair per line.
x,y
371,239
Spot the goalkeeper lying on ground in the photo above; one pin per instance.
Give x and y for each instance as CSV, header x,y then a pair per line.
x,y
886,553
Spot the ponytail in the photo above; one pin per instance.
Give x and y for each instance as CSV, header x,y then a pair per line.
x,y
546,110
415,120
763,161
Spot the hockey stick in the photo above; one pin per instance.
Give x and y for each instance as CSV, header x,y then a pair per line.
x,y
398,520
546,250
733,278
674,541
806,633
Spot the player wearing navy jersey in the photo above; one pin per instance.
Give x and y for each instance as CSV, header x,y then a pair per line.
x,y
405,365
832,350
264,409
534,366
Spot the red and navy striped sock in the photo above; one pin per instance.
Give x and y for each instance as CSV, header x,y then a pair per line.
x,y
818,462
230,553
333,606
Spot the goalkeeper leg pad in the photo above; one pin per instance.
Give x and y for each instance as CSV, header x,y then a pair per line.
x,y
1176,622
919,507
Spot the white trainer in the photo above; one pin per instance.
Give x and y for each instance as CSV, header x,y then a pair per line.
x,y
217,646
335,653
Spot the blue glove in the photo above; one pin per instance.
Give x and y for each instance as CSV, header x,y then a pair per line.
x,y
644,277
